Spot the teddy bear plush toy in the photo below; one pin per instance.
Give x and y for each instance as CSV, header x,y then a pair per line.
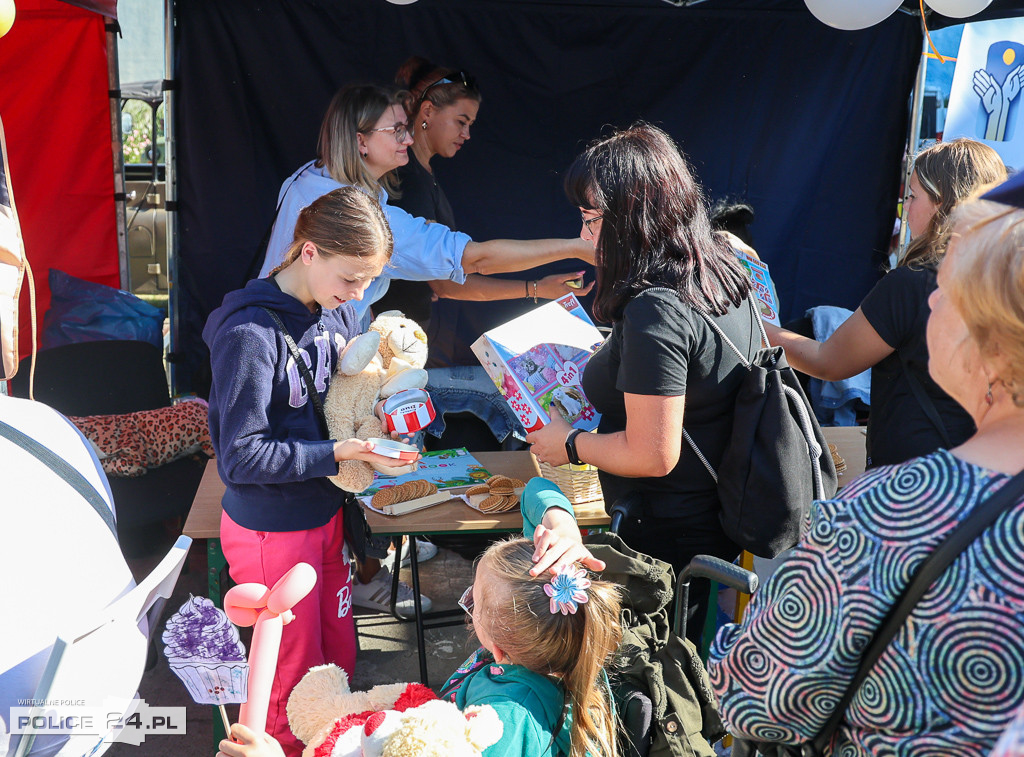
x,y
391,720
388,358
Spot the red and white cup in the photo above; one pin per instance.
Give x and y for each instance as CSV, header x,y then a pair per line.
x,y
408,411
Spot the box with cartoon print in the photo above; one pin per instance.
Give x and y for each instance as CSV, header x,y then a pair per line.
x,y
536,377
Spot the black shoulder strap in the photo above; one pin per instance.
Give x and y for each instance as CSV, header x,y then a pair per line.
x,y
925,401
65,470
307,377
983,515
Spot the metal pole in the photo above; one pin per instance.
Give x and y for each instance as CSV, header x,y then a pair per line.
x,y
171,189
916,107
117,153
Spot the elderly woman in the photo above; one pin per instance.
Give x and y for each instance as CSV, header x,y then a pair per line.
x,y
953,677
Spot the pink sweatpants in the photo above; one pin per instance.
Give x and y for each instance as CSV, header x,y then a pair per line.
x,y
323,629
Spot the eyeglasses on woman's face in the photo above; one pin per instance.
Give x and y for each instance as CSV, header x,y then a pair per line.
x,y
466,600
401,131
588,221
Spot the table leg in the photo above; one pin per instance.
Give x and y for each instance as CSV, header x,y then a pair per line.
x,y
215,566
396,568
420,642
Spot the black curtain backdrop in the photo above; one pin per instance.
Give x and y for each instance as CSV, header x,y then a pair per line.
x,y
805,123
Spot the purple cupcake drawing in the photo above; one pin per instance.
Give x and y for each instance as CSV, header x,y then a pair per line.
x,y
204,651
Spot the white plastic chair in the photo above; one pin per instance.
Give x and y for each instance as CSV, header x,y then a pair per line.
x,y
101,659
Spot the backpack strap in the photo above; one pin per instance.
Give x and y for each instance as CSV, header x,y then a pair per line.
x,y
307,377
796,401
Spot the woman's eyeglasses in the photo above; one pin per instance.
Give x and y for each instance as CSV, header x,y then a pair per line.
x,y
466,600
401,131
588,221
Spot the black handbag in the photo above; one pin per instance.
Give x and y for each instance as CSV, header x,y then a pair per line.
x,y
358,534
777,461
983,516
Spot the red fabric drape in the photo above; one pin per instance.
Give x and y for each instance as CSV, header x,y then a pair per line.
x,y
56,115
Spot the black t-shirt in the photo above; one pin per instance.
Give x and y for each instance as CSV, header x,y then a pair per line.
x,y
421,196
898,428
662,347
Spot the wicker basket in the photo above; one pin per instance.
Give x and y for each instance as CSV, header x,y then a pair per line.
x,y
578,483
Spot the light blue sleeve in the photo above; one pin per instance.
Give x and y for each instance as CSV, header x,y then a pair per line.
x,y
424,251
538,496
298,190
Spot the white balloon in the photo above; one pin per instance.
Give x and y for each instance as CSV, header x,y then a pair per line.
x,y
958,8
852,14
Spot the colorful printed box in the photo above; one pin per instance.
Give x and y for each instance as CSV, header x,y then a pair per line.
x,y
533,375
764,288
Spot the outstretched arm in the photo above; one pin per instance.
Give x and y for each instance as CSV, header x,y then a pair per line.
x,y
504,255
853,347
548,519
486,288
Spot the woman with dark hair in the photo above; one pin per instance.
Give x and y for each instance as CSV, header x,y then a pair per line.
x,y
658,264
442,107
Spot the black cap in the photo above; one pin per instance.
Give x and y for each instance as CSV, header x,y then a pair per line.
x,y
1010,192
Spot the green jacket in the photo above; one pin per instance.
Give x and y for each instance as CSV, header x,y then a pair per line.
x,y
653,660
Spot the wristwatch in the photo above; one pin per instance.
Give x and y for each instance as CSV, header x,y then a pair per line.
x,y
570,446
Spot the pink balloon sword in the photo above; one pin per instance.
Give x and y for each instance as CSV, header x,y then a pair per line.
x,y
269,610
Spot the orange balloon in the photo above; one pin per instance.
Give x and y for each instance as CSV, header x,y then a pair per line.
x,y
7,13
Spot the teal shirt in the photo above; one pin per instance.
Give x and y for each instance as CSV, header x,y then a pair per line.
x,y
527,703
538,497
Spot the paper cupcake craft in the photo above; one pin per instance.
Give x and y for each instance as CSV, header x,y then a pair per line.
x,y
204,651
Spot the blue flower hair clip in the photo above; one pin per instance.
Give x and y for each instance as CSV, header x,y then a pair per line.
x,y
567,590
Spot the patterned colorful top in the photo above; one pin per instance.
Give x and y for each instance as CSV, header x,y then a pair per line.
x,y
953,676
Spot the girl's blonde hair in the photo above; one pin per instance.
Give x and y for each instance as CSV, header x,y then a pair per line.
x,y
986,283
949,172
574,648
354,110
346,221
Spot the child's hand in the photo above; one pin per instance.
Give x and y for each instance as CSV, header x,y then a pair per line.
x,y
245,743
558,544
361,449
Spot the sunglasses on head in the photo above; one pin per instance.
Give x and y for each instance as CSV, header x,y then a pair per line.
x,y
454,77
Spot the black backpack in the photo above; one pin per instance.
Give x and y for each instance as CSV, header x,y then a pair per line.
x,y
777,461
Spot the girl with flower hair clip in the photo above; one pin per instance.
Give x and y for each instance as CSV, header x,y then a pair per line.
x,y
546,632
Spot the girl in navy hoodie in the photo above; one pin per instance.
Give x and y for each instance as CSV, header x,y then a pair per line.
x,y
279,508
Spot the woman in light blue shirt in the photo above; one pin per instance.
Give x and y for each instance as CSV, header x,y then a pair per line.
x,y
365,136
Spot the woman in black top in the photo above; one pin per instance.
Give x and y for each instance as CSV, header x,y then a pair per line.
x,y
910,414
657,261
442,106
